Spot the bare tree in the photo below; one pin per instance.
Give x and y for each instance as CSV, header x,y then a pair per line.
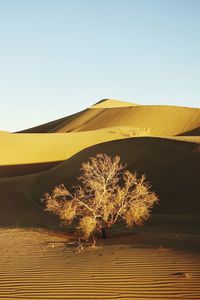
x,y
106,194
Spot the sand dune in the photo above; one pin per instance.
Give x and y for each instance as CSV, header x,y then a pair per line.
x,y
38,148
156,120
144,136
111,103
4,132
159,261
44,148
171,166
175,178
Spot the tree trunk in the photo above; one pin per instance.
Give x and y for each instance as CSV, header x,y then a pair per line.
x,y
93,240
103,231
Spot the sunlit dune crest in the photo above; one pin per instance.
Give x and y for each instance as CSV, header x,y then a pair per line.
x,y
155,140
162,142
157,120
111,103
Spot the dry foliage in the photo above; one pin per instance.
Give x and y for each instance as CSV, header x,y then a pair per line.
x,y
106,194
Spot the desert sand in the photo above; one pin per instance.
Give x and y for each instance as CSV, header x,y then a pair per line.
x,y
150,264
160,261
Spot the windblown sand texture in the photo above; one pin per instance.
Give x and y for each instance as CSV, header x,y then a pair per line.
x,y
36,265
162,142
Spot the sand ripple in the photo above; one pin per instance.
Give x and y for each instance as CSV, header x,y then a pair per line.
x,y
35,265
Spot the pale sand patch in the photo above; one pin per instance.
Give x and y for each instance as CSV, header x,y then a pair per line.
x,y
36,265
24,148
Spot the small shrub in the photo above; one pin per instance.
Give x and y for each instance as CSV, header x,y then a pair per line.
x,y
107,193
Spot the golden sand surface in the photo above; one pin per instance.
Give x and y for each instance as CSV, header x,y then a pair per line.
x,y
156,120
162,142
159,141
35,264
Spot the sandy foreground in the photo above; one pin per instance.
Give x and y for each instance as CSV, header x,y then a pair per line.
x,y
38,264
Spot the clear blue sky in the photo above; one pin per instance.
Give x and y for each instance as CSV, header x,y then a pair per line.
x,y
58,57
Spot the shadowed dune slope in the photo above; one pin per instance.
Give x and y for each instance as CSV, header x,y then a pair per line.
x,y
50,126
161,141
171,166
194,132
16,203
22,154
25,169
19,149
155,120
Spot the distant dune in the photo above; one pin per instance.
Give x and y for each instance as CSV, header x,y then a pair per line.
x,y
111,103
155,120
161,141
